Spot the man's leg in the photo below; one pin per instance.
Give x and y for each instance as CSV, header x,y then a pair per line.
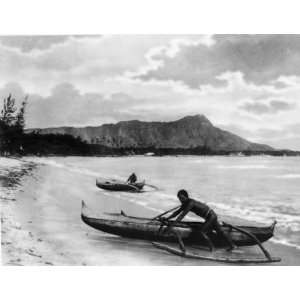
x,y
208,226
179,239
209,223
217,227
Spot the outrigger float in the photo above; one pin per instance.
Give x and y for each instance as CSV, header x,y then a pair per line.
x,y
184,233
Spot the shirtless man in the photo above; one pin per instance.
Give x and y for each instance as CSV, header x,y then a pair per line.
x,y
132,178
203,211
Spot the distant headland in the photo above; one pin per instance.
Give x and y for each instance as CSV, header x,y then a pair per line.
x,y
191,135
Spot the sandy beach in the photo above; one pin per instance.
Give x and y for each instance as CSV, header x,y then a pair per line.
x,y
19,245
41,222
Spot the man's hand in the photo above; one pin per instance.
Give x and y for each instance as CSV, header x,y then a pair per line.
x,y
166,226
164,220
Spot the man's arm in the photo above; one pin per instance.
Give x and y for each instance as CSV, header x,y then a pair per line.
x,y
185,211
175,213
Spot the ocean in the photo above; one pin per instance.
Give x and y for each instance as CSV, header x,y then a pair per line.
x,y
257,189
41,209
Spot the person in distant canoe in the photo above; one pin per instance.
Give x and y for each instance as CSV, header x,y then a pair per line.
x,y
132,179
203,211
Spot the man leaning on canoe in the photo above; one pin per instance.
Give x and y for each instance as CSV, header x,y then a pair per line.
x,y
204,211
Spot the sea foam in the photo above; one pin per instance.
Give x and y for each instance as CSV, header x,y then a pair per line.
x,y
289,176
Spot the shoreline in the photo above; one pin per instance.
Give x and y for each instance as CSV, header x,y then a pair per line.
x,y
162,152
19,247
22,245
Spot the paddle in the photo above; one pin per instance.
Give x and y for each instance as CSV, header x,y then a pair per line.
x,y
166,212
152,186
181,245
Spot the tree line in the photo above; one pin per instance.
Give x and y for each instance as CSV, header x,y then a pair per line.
x,y
12,124
14,141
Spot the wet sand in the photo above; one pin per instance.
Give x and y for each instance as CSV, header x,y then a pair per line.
x,y
41,222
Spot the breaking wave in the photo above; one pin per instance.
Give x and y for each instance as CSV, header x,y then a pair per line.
x,y
66,166
285,242
291,176
243,167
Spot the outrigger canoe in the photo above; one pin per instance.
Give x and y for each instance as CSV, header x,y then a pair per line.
x,y
148,229
189,233
115,185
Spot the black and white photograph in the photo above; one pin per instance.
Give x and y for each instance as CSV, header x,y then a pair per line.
x,y
150,150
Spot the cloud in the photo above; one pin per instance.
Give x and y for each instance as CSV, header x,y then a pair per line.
x,y
28,43
38,42
238,82
67,106
286,137
272,107
39,63
260,58
12,88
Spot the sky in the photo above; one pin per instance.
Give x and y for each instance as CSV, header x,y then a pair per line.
x,y
246,84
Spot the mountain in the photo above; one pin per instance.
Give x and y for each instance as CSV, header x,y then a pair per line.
x,y
186,133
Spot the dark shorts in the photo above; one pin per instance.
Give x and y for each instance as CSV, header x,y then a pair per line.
x,y
211,222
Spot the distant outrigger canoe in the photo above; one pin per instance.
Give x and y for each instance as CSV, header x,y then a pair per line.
x,y
115,185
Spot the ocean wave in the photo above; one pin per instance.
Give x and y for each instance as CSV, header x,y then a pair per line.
x,y
291,176
83,171
47,161
203,161
285,242
261,215
242,167
145,204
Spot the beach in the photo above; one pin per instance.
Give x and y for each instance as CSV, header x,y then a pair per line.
x,y
41,205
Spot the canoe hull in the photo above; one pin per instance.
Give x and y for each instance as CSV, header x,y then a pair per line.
x,y
147,229
120,186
